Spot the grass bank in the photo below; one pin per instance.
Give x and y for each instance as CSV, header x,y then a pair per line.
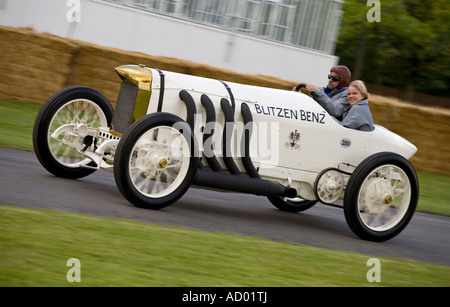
x,y
36,245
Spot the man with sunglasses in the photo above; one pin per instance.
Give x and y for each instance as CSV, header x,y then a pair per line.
x,y
333,97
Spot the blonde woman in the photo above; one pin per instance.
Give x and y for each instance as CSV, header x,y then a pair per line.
x,y
357,115
351,111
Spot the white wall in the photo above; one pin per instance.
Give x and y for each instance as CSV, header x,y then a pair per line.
x,y
134,30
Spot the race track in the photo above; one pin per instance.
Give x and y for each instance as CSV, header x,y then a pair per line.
x,y
24,182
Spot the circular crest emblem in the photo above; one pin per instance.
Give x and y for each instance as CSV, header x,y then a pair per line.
x,y
346,143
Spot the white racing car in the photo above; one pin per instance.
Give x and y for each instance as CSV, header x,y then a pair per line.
x,y
170,131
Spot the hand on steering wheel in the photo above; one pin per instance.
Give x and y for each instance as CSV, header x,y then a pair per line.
x,y
305,87
298,87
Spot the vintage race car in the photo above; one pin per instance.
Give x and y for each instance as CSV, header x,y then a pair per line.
x,y
170,131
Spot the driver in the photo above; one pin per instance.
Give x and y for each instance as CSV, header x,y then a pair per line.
x,y
333,97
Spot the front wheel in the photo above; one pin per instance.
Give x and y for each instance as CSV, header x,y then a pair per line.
x,y
76,105
381,197
155,161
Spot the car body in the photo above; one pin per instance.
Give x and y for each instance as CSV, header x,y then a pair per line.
x,y
170,131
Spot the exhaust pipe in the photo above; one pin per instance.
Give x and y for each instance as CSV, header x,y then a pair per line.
x,y
242,184
226,138
245,143
210,118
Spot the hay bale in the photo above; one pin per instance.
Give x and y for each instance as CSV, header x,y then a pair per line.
x,y
34,66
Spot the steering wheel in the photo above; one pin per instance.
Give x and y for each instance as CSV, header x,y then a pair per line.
x,y
298,87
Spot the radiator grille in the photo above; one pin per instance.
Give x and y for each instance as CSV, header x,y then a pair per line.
x,y
123,115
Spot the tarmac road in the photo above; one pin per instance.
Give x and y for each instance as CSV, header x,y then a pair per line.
x,y
25,183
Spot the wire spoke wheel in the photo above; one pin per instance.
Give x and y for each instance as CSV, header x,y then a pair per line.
x,y
384,198
159,164
381,197
78,111
59,132
155,163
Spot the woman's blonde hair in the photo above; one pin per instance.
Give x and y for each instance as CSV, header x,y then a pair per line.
x,y
361,87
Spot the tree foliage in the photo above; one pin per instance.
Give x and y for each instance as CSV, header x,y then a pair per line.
x,y
409,48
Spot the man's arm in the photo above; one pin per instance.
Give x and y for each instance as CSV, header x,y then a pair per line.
x,y
335,107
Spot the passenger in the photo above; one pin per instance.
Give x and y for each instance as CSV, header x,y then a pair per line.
x,y
357,115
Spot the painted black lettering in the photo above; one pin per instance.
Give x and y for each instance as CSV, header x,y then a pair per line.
x,y
322,117
257,108
302,115
294,114
279,112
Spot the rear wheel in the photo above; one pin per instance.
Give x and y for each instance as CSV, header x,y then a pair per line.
x,y
381,197
71,106
155,163
291,204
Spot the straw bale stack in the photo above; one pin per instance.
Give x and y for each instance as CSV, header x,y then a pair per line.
x,y
33,67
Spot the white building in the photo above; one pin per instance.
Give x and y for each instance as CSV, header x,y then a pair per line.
x,y
288,39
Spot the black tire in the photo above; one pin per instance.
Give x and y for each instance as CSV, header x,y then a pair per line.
x,y
381,197
53,114
291,204
147,173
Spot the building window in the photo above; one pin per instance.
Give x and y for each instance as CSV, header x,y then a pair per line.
x,y
311,24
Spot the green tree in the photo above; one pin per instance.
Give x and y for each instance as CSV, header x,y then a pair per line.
x,y
408,49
